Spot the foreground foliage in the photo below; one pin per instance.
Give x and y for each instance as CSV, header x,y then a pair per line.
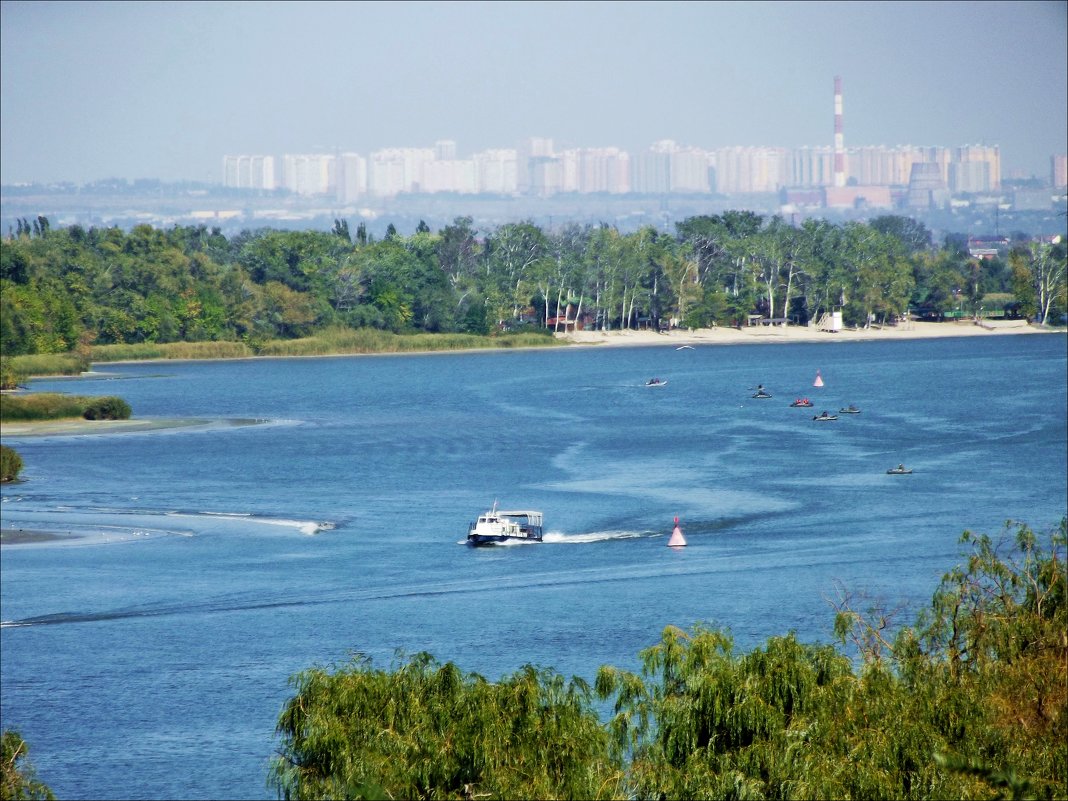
x,y
428,731
970,702
18,779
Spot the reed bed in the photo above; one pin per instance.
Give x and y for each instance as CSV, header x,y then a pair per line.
x,y
170,350
41,406
340,341
59,406
48,364
335,341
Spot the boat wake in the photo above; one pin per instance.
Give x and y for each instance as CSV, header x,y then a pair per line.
x,y
561,538
105,525
595,536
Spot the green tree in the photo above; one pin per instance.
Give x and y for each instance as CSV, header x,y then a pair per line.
x,y
18,778
426,730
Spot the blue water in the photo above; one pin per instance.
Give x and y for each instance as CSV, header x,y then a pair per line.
x,y
149,656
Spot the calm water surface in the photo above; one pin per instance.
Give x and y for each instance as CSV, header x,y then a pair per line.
x,y
149,656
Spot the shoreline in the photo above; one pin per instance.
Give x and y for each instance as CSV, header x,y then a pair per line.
x,y
725,335
783,334
749,335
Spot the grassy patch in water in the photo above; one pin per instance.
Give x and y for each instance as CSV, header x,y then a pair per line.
x,y
58,406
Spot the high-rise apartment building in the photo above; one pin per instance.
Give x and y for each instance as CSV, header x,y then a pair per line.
x,y
395,170
249,172
496,171
1058,171
750,169
650,173
309,173
351,177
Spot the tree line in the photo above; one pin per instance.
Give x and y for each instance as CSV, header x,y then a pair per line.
x,y
70,287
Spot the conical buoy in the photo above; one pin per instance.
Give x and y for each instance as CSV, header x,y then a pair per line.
x,y
819,380
676,536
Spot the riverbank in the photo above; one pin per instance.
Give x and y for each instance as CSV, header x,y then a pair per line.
x,y
758,334
782,334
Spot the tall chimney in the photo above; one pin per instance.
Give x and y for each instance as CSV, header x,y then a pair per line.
x,y
839,141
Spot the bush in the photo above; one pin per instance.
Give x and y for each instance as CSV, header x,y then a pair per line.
x,y
10,377
10,464
107,408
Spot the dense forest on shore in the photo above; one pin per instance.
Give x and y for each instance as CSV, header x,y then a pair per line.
x,y
65,290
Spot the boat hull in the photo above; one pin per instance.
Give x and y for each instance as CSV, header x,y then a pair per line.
x,y
480,540
495,528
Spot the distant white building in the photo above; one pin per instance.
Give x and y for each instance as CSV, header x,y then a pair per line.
x,y
496,171
249,172
309,173
351,177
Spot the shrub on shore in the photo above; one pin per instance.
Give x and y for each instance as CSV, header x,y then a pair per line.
x,y
10,463
107,408
10,378
57,406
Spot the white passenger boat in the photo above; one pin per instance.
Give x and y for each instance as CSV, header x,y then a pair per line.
x,y
499,526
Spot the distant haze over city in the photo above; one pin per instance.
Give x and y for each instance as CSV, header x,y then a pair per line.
x,y
130,90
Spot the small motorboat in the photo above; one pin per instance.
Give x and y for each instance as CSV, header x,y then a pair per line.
x,y
801,402
824,417
655,382
761,392
850,409
900,470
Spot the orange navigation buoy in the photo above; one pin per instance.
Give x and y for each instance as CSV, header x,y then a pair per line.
x,y
677,539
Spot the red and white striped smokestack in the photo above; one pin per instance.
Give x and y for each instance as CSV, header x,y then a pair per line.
x,y
839,140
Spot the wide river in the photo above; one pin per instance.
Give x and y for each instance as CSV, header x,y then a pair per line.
x,y
148,656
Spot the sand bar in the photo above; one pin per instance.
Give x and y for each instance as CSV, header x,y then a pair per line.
x,y
81,427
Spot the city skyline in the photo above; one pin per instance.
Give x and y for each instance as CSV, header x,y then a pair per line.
x,y
537,168
92,91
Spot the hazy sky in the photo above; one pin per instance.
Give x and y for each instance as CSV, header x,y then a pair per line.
x,y
94,90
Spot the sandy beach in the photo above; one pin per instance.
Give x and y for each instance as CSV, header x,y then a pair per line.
x,y
781,334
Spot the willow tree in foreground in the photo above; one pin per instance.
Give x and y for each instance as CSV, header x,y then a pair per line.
x,y
970,703
426,730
